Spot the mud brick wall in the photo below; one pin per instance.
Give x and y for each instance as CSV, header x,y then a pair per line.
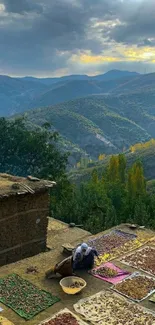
x,y
23,226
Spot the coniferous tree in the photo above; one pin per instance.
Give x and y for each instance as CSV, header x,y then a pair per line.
x,y
122,168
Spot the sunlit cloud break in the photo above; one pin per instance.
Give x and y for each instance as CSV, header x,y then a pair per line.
x,y
49,38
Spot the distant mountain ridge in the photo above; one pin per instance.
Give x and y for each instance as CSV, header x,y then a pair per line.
x,y
92,116
20,94
110,75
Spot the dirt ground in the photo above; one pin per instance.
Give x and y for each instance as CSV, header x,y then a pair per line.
x,y
58,234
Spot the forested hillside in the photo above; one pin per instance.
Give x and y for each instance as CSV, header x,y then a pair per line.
x,y
20,94
114,82
114,194
145,152
95,125
16,94
142,82
119,113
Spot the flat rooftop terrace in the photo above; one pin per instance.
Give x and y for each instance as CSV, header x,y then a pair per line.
x,y
58,234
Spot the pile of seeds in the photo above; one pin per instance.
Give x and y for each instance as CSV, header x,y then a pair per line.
x,y
136,287
105,272
76,284
32,270
23,297
107,308
118,251
143,259
64,317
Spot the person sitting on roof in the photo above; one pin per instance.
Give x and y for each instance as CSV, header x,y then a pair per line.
x,y
83,257
63,269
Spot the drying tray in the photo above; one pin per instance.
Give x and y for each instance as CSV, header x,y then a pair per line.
x,y
121,233
136,267
61,312
134,275
127,236
100,321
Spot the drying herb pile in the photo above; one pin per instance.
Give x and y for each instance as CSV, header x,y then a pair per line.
x,y
143,259
107,243
76,284
111,309
105,271
32,270
63,319
141,239
137,287
118,251
23,297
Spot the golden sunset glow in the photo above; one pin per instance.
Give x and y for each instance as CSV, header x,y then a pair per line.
x,y
81,36
95,59
142,54
118,54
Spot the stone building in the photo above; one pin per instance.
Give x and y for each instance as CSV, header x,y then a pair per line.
x,y
24,208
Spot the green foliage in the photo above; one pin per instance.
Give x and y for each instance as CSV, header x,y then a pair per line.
x,y
150,186
64,201
81,120
118,196
29,152
146,155
122,167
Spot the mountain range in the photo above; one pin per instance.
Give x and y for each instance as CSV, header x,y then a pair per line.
x,y
100,124
20,94
101,114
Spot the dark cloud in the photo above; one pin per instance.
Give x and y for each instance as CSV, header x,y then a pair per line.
x,y
137,23
34,39
39,36
147,42
22,6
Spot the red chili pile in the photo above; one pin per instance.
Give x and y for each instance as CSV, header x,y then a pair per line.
x,y
63,319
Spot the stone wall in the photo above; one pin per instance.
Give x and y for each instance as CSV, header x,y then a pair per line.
x,y
23,226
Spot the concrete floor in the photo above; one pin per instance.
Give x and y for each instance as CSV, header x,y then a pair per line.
x,y
58,234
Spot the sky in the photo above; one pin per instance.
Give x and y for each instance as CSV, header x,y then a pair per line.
x,y
47,38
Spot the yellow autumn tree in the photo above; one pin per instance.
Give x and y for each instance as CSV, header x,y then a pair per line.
x,y
113,169
141,146
101,157
78,165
